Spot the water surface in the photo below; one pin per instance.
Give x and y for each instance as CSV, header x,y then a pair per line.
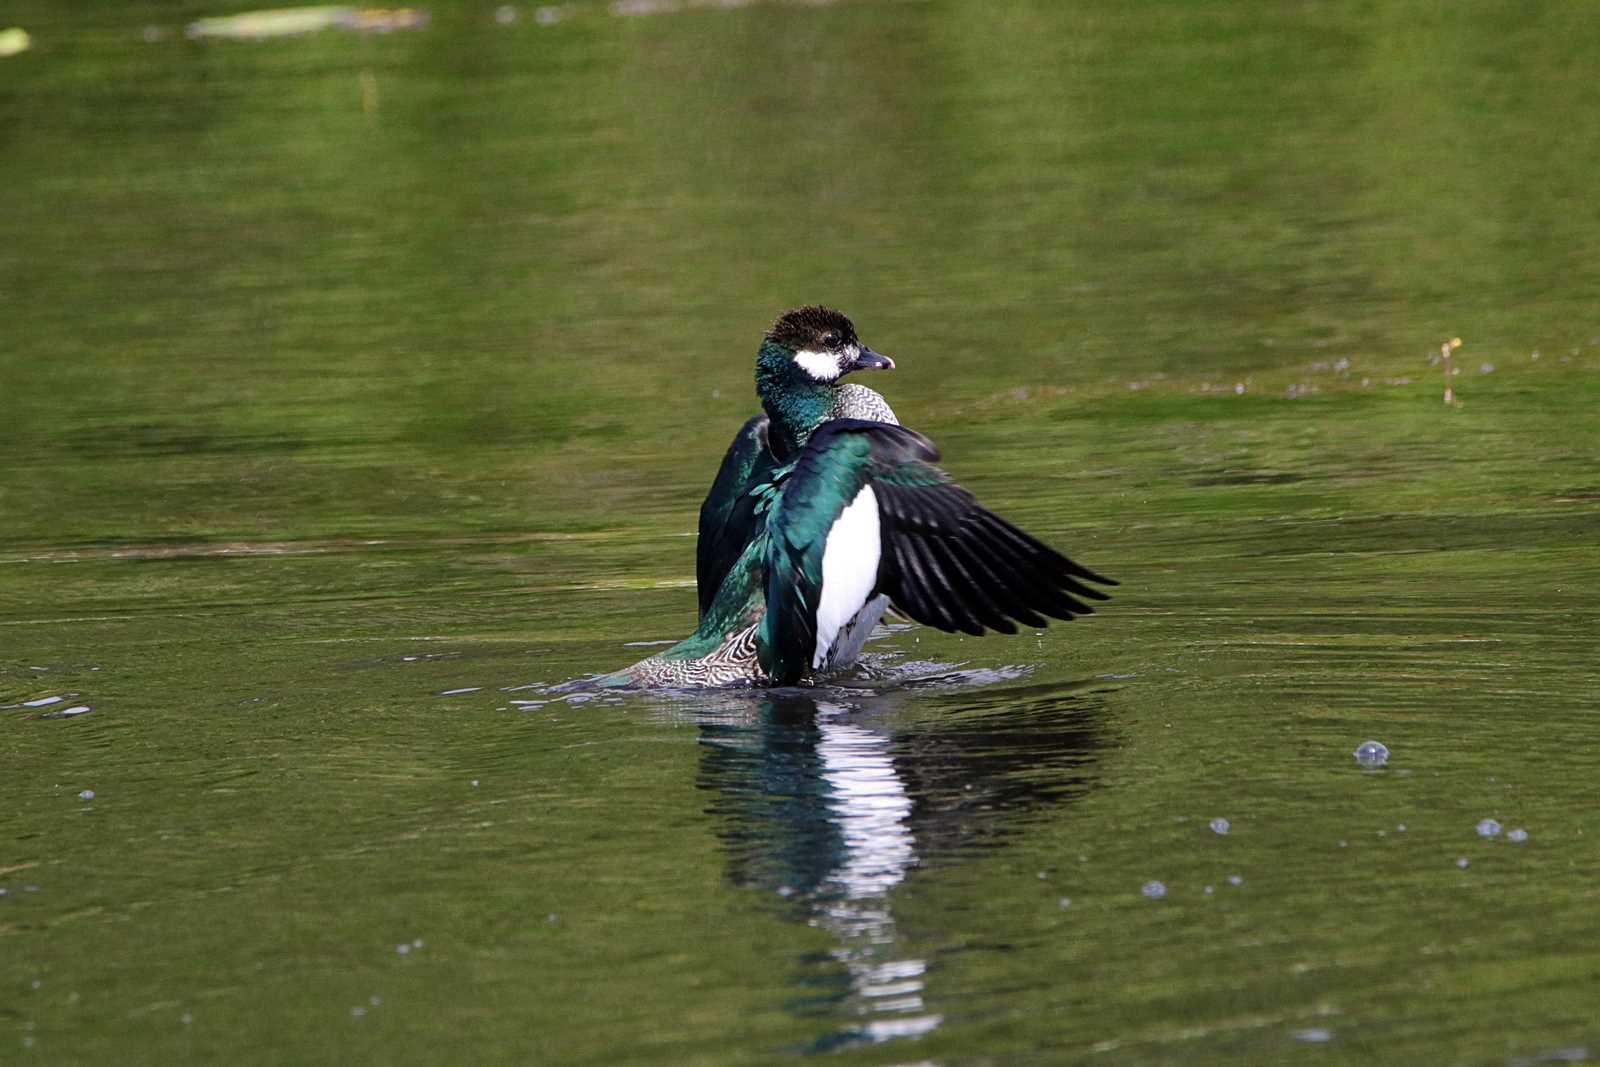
x,y
360,388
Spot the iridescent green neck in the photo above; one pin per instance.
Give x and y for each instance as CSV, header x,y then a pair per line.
x,y
795,402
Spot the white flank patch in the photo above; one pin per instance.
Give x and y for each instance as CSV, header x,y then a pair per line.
x,y
849,569
823,366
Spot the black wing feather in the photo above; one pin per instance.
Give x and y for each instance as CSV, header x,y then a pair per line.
x,y
728,516
948,561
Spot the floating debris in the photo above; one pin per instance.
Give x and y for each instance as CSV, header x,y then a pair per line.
x,y
1065,902
1449,371
1463,863
67,713
1372,753
87,794
1220,826
1235,880
1518,836
14,40
1153,890
1488,828
1314,1034
298,21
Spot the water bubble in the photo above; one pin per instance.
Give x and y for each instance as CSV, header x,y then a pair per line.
x,y
1372,753
1220,826
1488,828
87,794
1153,890
1519,835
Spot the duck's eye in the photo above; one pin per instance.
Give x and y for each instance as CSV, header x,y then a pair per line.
x,y
831,340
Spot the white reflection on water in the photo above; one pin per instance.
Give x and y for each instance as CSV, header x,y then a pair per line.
x,y
869,804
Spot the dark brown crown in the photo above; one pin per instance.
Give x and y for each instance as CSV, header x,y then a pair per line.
x,y
807,327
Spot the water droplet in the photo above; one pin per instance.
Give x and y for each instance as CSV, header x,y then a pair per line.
x,y
1220,826
1153,890
1372,753
1519,835
1488,828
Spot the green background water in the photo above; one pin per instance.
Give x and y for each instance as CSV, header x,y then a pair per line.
x,y
343,372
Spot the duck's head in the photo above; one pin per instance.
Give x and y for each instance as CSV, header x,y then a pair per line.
x,y
798,369
814,345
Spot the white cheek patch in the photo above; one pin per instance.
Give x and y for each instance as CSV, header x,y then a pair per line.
x,y
823,366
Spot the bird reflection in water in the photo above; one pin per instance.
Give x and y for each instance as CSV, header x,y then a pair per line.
x,y
831,801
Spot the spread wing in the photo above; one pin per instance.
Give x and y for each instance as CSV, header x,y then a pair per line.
x,y
728,517
864,512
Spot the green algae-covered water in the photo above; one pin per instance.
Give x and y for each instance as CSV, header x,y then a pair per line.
x,y
359,388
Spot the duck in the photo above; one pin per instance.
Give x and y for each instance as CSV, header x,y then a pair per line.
x,y
825,513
